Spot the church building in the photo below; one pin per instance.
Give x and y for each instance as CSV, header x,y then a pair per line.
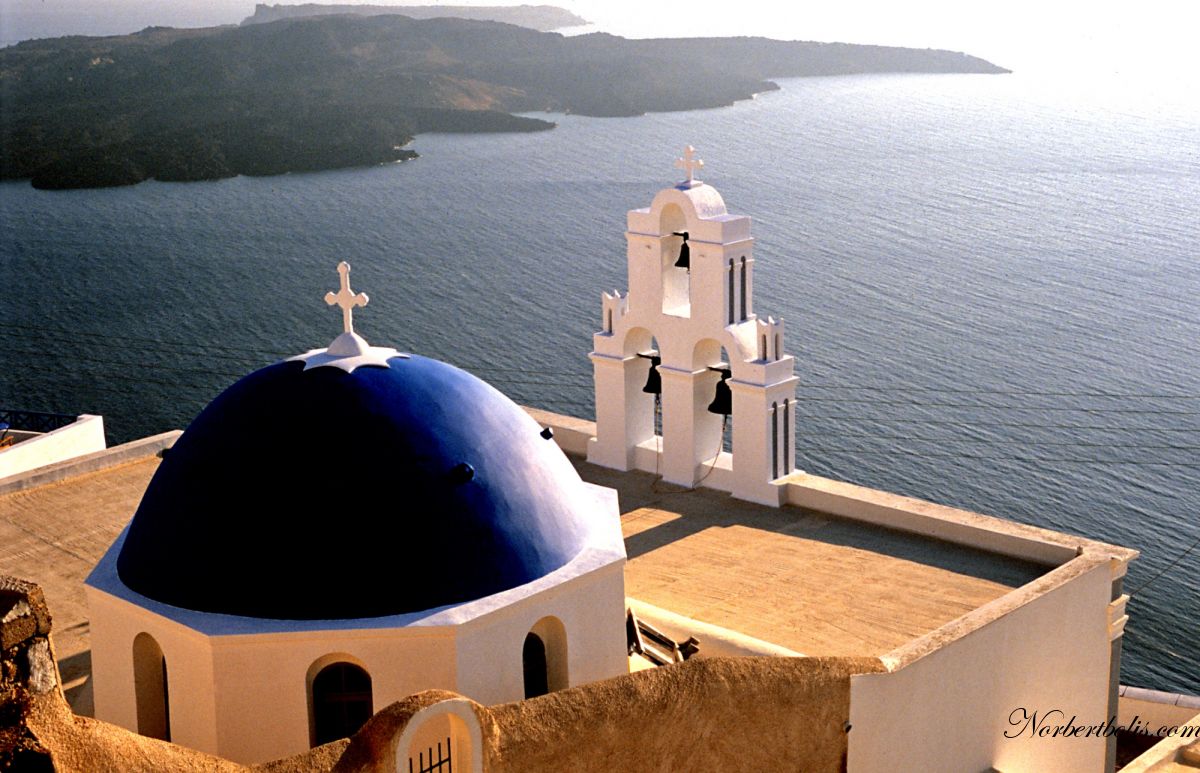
x,y
343,529
362,535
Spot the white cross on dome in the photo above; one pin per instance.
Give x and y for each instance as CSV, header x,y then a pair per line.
x,y
346,298
349,350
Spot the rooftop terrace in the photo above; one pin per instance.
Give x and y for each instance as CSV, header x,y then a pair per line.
x,y
813,583
800,578
56,523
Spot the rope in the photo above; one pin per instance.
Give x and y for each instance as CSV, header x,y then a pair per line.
x,y
720,448
1165,569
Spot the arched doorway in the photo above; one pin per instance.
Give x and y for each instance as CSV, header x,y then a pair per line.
x,y
443,737
533,657
544,657
341,702
151,690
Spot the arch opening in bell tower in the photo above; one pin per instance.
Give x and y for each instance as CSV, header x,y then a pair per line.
x,y
676,279
713,411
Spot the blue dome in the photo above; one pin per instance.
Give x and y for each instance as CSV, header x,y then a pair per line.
x,y
319,494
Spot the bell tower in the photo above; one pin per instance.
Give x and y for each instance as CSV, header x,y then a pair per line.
x,y
686,329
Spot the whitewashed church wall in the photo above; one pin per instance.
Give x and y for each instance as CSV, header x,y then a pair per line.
x,y
114,626
591,608
949,709
267,676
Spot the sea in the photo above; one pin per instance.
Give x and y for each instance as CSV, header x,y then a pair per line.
x,y
989,284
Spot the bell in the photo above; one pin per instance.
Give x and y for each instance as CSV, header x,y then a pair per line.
x,y
653,380
685,253
722,403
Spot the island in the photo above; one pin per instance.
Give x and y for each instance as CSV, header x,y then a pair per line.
x,y
333,91
536,17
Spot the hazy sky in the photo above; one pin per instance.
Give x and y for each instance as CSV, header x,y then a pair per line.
x,y
1012,33
1055,34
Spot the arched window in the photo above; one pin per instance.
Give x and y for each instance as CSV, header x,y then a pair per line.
x,y
674,251
443,737
150,688
533,656
341,702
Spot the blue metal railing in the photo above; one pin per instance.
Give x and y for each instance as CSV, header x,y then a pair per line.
x,y
35,421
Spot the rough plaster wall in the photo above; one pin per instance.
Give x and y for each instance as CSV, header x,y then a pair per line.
x,y
373,748
83,745
711,714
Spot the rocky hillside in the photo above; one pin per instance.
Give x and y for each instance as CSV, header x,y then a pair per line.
x,y
535,17
337,91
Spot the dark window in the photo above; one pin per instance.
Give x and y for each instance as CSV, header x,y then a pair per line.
x,y
731,292
166,700
341,696
774,440
787,438
745,277
533,655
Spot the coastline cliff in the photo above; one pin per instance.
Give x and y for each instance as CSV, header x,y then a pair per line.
x,y
339,91
536,17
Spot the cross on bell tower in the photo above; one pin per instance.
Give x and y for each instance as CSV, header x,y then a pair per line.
x,y
690,164
697,329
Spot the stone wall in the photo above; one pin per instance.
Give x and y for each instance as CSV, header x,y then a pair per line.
x,y
26,670
709,714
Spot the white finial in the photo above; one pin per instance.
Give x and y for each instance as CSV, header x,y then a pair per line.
x,y
349,350
346,298
689,163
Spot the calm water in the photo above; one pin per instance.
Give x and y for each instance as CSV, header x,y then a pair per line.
x,y
990,286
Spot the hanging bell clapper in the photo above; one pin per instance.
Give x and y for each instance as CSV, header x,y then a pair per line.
x,y
722,403
685,252
653,379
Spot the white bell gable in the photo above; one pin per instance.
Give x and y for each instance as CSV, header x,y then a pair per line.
x,y
697,320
